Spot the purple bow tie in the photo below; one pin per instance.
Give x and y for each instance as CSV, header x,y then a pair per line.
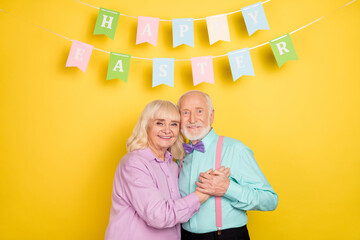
x,y
190,148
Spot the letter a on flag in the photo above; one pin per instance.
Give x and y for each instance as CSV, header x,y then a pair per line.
x,y
183,31
283,49
202,70
147,30
240,63
118,67
163,71
218,28
79,55
255,19
106,22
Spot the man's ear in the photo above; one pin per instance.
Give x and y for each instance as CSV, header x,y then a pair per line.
x,y
212,117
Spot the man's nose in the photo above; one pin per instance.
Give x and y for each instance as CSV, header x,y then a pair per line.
x,y
192,118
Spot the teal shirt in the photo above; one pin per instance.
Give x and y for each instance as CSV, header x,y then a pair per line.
x,y
248,189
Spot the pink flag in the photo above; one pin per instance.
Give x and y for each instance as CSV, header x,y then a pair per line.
x,y
79,55
147,30
202,69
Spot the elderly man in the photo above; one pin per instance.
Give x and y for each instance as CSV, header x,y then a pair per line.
x,y
245,189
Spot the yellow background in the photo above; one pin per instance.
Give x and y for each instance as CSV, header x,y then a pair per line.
x,y
63,131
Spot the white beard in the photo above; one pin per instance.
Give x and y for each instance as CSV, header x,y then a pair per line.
x,y
199,136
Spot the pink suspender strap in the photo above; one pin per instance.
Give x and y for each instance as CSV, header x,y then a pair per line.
x,y
218,198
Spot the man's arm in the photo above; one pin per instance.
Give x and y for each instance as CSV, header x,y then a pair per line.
x,y
247,187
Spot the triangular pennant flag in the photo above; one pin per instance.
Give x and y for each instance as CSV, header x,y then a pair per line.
x,y
240,63
163,71
147,30
255,19
218,28
283,49
183,32
106,22
79,55
118,67
202,70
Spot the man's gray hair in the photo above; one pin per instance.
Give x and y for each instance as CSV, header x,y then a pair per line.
x,y
208,99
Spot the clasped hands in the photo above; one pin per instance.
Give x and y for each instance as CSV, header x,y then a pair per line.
x,y
212,183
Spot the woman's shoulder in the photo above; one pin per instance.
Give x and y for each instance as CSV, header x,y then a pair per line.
x,y
134,158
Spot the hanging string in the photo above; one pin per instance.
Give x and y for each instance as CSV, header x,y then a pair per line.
x,y
166,20
150,59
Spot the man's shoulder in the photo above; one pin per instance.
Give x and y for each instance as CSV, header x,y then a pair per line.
x,y
234,143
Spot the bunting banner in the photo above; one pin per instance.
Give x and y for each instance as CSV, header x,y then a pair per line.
x,y
183,31
79,55
202,70
202,67
255,19
240,63
118,67
218,28
283,49
147,30
163,71
106,22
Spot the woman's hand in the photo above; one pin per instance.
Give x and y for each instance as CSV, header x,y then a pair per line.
x,y
214,183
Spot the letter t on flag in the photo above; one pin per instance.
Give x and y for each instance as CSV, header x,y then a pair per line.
x,y
163,71
147,30
202,70
79,55
106,22
118,67
283,49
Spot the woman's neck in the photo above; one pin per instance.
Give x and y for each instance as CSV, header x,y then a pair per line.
x,y
160,154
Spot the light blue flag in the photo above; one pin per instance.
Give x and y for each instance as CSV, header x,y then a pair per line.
x,y
255,19
183,31
163,71
240,63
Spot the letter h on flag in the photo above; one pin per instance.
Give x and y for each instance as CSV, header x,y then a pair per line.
x,y
255,19
106,22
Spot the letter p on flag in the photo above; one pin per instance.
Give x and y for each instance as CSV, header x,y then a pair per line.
x,y
106,22
283,49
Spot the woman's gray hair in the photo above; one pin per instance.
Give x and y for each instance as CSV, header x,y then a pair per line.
x,y
158,109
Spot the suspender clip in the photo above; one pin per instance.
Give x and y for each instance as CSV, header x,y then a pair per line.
x,y
219,231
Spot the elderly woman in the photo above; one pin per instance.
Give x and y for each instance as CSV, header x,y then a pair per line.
x,y
146,203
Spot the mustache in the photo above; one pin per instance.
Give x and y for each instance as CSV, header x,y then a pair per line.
x,y
197,124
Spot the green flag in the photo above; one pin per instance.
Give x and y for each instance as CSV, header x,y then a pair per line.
x,y
283,49
106,22
119,65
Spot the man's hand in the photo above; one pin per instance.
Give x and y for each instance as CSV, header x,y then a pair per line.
x,y
215,182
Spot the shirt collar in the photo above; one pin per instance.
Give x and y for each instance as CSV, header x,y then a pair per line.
x,y
211,136
146,152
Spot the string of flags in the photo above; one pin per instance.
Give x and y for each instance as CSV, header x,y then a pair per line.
x,y
163,68
202,67
183,28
